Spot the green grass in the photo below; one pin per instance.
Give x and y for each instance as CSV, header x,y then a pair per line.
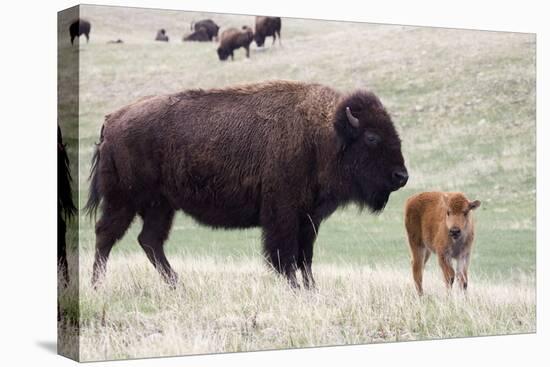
x,y
463,102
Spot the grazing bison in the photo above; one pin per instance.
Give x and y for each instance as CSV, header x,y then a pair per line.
x,y
442,223
278,155
65,205
80,27
209,27
267,27
162,36
200,35
232,39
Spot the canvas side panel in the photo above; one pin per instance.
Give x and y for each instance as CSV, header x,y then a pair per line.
x,y
68,205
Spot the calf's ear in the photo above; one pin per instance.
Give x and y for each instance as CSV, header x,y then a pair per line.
x,y
474,204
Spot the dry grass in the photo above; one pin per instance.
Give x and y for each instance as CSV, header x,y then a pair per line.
x,y
229,305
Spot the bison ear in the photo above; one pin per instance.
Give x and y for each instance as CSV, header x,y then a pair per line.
x,y
474,204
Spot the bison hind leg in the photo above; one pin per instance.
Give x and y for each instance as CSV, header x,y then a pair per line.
x,y
112,225
157,221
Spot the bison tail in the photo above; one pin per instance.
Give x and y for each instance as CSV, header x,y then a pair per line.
x,y
94,196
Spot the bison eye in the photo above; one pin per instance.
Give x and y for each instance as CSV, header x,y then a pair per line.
x,y
448,212
372,139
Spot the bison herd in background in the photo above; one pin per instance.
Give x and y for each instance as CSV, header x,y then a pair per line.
x,y
278,155
207,31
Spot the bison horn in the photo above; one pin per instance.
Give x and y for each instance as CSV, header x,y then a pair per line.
x,y
354,121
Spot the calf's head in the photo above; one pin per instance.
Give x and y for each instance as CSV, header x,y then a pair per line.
x,y
370,149
458,218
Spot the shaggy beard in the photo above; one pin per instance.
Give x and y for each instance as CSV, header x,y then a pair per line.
x,y
375,201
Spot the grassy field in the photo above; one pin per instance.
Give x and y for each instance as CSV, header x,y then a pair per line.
x,y
464,104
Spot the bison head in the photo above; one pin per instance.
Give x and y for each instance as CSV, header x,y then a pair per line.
x,y
458,219
223,54
370,150
259,39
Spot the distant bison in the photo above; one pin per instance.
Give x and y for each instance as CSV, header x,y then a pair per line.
x,y
278,155
232,39
162,36
209,27
267,27
200,35
80,27
442,223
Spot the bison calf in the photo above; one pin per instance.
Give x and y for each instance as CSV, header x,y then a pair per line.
x,y
443,223
232,39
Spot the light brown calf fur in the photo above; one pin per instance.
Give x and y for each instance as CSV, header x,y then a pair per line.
x,y
442,223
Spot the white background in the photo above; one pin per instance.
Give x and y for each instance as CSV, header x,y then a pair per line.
x,y
28,185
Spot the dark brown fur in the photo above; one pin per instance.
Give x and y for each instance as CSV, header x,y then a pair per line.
x,y
65,205
210,28
267,27
232,39
279,155
200,35
80,27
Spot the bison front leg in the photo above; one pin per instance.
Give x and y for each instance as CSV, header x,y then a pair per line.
x,y
447,268
280,235
462,269
308,233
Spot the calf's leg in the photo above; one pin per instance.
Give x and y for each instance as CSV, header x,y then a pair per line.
x,y
447,268
418,254
462,269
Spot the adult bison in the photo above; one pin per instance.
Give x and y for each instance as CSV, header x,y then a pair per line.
x,y
278,155
210,28
80,27
232,39
65,205
267,27
200,35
